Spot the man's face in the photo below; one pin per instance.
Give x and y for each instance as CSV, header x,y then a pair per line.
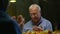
x,y
35,14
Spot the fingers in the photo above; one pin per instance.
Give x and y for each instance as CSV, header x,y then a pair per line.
x,y
20,19
13,17
40,29
36,28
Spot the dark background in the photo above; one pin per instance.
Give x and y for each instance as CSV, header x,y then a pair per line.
x,y
50,9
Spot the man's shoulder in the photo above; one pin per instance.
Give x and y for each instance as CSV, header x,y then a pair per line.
x,y
6,19
46,20
29,22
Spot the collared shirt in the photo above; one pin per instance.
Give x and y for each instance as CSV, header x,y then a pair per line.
x,y
44,23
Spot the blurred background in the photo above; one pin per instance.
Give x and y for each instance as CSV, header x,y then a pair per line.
x,y
50,9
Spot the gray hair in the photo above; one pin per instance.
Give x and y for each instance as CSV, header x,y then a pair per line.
x,y
31,6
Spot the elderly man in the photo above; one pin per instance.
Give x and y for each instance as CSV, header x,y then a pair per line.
x,y
37,22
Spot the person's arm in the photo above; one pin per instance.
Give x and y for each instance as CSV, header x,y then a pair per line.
x,y
21,21
17,28
49,26
9,27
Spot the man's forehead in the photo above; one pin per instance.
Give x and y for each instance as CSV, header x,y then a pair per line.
x,y
33,12
34,9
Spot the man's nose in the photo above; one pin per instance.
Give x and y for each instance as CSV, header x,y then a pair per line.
x,y
34,15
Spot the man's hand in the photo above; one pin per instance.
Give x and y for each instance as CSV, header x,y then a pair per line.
x,y
20,20
13,17
37,28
